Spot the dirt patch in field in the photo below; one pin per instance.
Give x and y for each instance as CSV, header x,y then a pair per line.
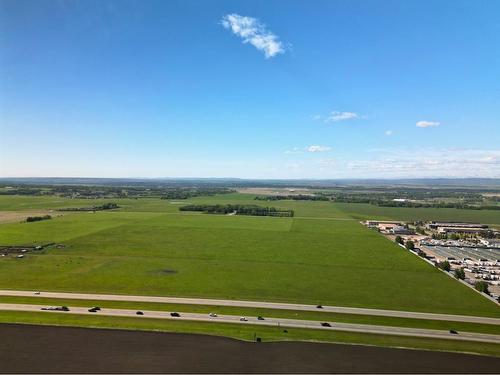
x,y
269,191
17,216
168,271
42,349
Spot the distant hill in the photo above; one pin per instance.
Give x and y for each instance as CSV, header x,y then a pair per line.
x,y
493,183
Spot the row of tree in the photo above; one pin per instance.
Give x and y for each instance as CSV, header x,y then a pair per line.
x,y
299,197
105,206
238,209
185,193
31,219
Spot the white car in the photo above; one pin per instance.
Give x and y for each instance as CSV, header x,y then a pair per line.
x,y
243,319
213,315
37,292
50,308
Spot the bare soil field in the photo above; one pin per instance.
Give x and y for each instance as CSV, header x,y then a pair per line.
x,y
46,349
16,216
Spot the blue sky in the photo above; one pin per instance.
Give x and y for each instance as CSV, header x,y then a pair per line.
x,y
256,89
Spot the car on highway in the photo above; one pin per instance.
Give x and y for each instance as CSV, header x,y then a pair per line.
x,y
453,332
260,318
212,315
319,306
243,319
37,292
139,313
93,310
175,315
326,324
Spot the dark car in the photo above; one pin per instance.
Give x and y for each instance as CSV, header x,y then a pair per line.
x,y
453,332
175,315
93,310
260,318
326,324
319,307
64,308
96,308
139,313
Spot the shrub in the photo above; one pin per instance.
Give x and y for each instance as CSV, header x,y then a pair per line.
x,y
445,265
482,286
460,273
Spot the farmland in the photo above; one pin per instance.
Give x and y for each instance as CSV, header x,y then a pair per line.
x,y
148,247
321,255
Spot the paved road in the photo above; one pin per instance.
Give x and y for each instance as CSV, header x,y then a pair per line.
x,y
256,304
274,322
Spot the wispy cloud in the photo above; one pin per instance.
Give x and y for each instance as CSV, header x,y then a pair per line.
x,y
318,148
388,133
430,163
427,124
252,31
337,116
295,150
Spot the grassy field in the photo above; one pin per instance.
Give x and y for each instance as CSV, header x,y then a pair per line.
x,y
364,211
146,247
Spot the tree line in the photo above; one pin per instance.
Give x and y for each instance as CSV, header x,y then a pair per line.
x,y
105,206
299,197
31,219
238,209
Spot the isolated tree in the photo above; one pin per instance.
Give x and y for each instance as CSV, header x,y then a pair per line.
x,y
422,254
482,286
410,245
445,265
398,239
460,273
420,230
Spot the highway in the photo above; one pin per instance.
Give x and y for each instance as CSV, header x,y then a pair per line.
x,y
274,322
255,304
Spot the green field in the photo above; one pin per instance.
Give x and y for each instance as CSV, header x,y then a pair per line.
x,y
322,255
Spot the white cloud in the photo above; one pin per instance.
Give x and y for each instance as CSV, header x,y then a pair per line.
x,y
318,148
252,31
337,116
388,133
327,163
427,124
429,163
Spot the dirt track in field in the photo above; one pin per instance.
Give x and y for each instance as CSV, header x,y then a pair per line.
x,y
44,349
